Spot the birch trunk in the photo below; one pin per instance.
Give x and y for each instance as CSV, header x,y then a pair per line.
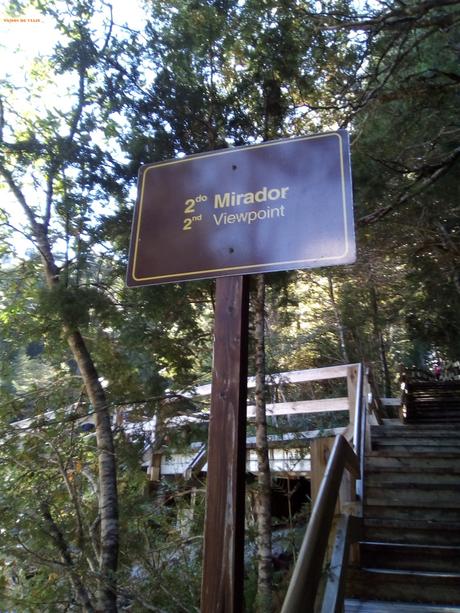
x,y
380,340
263,494
81,593
338,321
108,498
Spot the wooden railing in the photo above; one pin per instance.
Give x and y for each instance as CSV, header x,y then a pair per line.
x,y
301,594
303,589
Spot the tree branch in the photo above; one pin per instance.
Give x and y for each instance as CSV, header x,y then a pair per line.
x,y
412,16
2,119
58,538
109,32
419,185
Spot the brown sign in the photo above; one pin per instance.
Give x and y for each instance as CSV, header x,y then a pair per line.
x,y
279,205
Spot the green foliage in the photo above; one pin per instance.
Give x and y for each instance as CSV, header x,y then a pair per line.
x,y
74,305
203,75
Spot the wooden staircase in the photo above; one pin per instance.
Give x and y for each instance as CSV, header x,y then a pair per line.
x,y
410,550
436,402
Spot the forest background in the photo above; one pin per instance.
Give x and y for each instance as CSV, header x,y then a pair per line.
x,y
80,530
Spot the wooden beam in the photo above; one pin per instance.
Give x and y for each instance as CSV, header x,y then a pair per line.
x,y
291,376
296,440
352,380
320,452
223,556
154,470
303,407
312,374
391,402
348,531
305,578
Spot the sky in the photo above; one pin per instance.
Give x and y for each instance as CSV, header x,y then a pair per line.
x,y
23,37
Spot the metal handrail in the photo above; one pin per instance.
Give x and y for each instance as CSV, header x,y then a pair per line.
x,y
301,592
363,411
358,412
303,587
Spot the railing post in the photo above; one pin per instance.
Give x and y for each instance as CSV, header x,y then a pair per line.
x,y
306,576
357,411
320,451
352,378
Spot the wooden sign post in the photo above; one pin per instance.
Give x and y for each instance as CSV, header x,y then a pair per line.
x,y
277,205
223,564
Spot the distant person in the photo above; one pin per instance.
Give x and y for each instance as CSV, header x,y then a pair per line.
x,y
437,370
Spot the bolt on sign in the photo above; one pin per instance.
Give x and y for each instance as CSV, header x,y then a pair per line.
x,y
279,205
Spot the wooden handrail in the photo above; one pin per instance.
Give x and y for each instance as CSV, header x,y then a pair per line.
x,y
349,530
292,376
357,439
378,408
305,579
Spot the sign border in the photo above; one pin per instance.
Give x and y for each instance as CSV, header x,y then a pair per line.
x,y
237,269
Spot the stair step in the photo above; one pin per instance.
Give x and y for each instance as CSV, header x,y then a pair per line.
x,y
442,518
438,399
410,550
403,556
412,530
426,448
434,394
435,390
407,586
390,478
448,419
413,431
439,496
420,402
377,462
393,424
412,536
436,383
352,605
417,441
433,411
409,451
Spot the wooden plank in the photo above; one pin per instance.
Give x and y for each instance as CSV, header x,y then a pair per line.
x,y
302,407
304,582
320,452
223,556
348,530
380,606
154,470
296,440
391,402
311,374
352,380
291,376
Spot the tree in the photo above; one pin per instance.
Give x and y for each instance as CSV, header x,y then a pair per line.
x,y
201,75
53,151
80,300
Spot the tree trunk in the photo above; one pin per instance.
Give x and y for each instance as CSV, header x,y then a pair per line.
x,y
338,322
380,340
263,494
108,497
81,594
